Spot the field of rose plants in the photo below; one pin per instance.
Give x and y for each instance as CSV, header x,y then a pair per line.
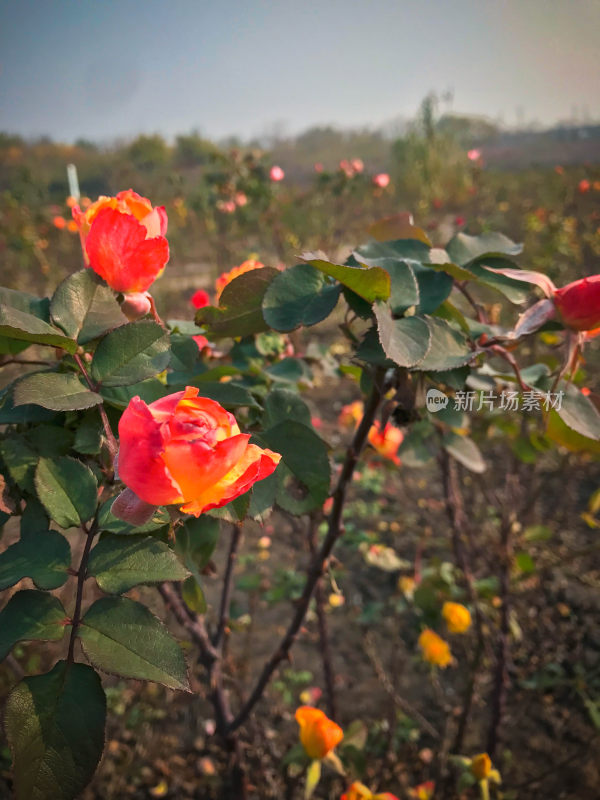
x,y
299,489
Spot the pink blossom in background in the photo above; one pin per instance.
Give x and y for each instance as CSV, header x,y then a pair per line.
x,y
474,155
357,165
318,167
346,168
226,206
276,174
382,180
584,186
200,299
201,341
240,199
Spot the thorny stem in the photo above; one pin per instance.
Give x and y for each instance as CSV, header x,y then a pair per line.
x,y
319,563
113,447
324,641
81,576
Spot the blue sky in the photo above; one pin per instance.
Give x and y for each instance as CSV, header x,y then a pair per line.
x,y
103,69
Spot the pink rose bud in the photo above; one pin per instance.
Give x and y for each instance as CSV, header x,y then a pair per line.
x,y
136,305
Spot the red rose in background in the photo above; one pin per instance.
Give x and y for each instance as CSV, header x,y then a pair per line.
x,y
187,450
200,299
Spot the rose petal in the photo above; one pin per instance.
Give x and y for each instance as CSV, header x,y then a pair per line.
x,y
141,466
255,465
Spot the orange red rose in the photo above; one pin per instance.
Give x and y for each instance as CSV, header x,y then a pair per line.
x,y
187,450
318,734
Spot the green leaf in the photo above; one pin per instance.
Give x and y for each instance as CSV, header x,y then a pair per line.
x,y
30,615
448,350
370,283
54,390
516,291
263,498
465,451
193,596
289,370
463,248
282,405
10,415
303,481
195,542
130,354
84,307
55,728
399,249
124,638
240,306
44,556
229,395
525,562
120,562
16,324
20,460
434,288
88,436
577,411
298,296
406,341
67,489
111,524
12,347
28,303
50,441
404,287
371,351
119,396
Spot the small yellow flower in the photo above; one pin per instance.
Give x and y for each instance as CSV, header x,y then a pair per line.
x,y
435,649
481,766
407,586
457,616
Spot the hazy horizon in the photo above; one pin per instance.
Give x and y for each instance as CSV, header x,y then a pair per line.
x,y
112,71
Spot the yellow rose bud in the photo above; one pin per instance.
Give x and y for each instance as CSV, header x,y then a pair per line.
x,y
457,616
481,766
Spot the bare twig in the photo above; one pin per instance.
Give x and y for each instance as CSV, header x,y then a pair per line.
x,y
319,564
459,525
400,702
324,642
195,626
236,537
498,700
